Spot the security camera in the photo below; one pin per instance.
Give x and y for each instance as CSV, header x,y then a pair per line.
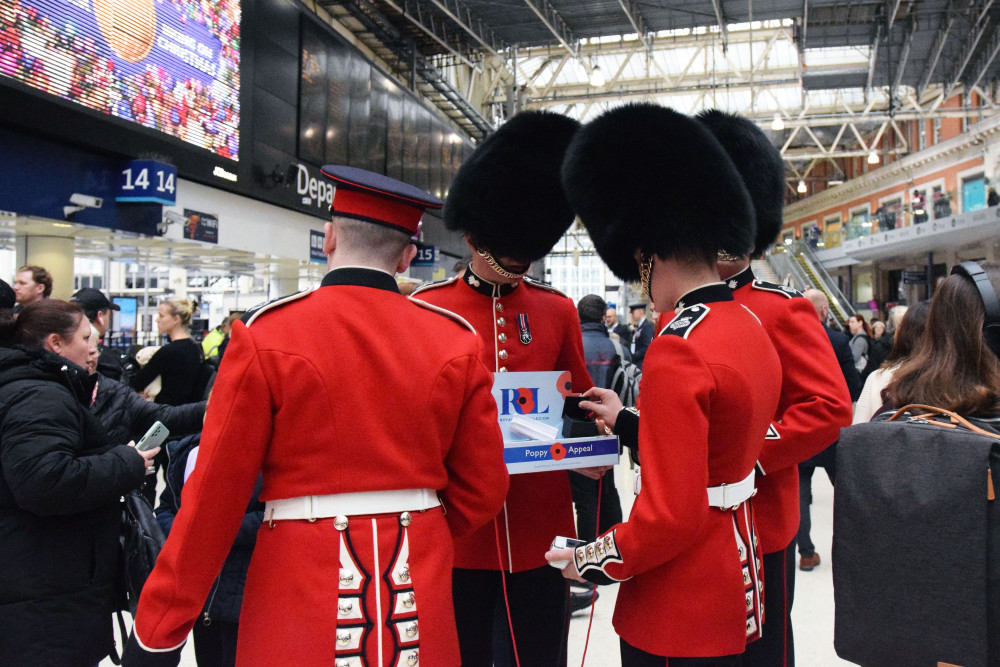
x,y
85,201
70,211
173,217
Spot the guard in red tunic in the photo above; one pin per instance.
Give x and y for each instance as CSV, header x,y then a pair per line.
x,y
815,402
508,201
659,197
374,453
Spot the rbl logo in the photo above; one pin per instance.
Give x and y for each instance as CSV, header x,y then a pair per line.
x,y
522,401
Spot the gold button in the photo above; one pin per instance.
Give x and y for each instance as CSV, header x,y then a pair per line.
x,y
502,338
411,629
405,519
340,522
502,354
346,577
343,638
404,572
499,307
345,607
755,540
413,658
503,369
501,322
409,600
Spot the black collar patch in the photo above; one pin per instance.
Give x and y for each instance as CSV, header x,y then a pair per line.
x,y
485,287
741,279
709,293
362,277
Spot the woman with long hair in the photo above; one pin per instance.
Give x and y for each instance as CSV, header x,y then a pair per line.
x,y
861,339
59,493
177,363
905,340
952,367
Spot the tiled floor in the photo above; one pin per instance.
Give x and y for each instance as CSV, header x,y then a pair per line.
x,y
812,614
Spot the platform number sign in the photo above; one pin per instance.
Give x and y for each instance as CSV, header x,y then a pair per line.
x,y
148,181
426,255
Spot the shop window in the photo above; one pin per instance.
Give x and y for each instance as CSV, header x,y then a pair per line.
x,y
973,193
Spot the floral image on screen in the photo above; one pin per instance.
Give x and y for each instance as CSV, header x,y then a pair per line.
x,y
169,65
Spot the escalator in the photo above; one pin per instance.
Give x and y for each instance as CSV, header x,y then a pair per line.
x,y
798,263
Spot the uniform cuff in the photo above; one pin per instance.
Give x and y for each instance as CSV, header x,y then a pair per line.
x,y
136,655
592,559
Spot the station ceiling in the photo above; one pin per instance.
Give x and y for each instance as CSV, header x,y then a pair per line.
x,y
839,75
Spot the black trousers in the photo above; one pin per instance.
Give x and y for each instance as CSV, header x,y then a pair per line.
x,y
634,657
586,500
538,611
775,647
827,459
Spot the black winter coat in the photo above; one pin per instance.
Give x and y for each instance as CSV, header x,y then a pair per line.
x,y
127,416
226,596
60,485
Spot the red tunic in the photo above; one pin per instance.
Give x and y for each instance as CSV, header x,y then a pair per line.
x,y
813,407
690,573
539,506
324,402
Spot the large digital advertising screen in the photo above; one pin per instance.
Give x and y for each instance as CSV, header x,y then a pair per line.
x,y
169,65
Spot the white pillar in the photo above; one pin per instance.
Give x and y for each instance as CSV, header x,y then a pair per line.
x,y
55,254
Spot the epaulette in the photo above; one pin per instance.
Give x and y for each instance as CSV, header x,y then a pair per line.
x,y
436,283
784,290
686,320
540,285
442,311
253,313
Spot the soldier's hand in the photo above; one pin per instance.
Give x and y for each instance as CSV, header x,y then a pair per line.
x,y
604,403
569,571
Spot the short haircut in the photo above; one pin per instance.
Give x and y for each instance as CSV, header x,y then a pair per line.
x,y
591,308
41,276
378,241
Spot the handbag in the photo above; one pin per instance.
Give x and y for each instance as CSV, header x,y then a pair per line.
x,y
140,540
916,541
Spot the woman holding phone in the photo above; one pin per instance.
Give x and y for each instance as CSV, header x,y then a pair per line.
x,y
60,485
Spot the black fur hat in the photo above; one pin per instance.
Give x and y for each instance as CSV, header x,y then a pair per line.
x,y
642,176
507,195
760,165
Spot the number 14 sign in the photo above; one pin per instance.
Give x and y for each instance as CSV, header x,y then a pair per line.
x,y
148,181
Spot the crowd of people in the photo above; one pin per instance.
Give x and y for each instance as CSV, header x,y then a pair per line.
x,y
346,500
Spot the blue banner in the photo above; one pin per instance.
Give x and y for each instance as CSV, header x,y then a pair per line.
x,y
316,253
564,454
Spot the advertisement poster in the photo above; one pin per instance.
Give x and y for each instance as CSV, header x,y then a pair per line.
x,y
201,226
167,65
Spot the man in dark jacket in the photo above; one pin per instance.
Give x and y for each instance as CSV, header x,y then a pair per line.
x,y
98,309
827,459
643,335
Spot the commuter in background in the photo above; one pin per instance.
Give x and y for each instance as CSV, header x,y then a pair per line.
x,y
31,284
827,459
992,198
177,363
861,339
98,309
216,630
906,339
643,333
59,493
212,341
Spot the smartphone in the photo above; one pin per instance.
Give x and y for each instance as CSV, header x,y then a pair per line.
x,y
154,437
572,409
561,542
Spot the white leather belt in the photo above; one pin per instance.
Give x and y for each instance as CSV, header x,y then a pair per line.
x,y
729,496
311,508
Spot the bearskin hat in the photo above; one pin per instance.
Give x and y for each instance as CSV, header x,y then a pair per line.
x,y
760,165
507,195
643,176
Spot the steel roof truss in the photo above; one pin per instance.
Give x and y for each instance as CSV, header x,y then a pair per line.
x,y
988,57
555,23
947,21
631,10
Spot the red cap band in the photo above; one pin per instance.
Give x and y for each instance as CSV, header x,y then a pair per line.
x,y
379,209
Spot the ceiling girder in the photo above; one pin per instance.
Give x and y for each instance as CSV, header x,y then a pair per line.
x,y
631,10
976,32
987,59
720,18
947,21
462,17
547,14
904,56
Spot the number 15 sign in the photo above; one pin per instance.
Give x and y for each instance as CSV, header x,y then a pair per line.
x,y
148,181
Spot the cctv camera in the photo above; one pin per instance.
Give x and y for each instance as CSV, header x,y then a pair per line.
x,y
70,211
173,217
85,201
